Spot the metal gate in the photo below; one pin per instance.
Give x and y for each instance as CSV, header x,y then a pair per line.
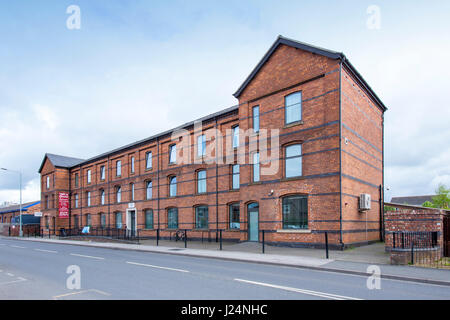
x,y
447,235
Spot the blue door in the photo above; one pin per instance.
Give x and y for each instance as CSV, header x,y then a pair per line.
x,y
253,221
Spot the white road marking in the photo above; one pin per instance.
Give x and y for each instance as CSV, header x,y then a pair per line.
x,y
15,281
157,267
84,256
2,244
43,250
18,247
81,292
10,274
308,292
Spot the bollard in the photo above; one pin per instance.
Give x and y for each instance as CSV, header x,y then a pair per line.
x,y
185,238
157,237
326,243
263,242
220,239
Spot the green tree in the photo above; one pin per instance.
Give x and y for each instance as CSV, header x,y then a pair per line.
x,y
442,198
428,204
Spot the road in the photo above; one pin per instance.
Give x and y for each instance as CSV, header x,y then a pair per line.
x,y
35,270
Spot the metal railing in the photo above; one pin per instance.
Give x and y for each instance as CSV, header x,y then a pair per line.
x,y
100,232
417,239
422,248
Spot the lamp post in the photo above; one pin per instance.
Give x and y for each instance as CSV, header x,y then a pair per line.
x,y
20,187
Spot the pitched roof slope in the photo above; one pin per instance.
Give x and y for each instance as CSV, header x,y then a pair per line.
x,y
60,161
413,201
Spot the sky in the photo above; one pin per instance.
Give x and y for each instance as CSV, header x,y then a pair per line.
x,y
137,68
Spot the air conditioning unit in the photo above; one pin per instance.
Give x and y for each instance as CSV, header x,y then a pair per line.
x,y
364,202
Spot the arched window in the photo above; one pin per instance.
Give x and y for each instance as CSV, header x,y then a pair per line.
x,y
293,161
102,197
118,220
234,216
173,153
132,191
149,219
293,107
256,167
88,220
201,181
118,194
173,186
235,179
201,146
149,190
103,220
172,218
295,212
201,217
235,136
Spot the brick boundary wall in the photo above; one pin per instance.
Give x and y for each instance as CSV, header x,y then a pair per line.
x,y
412,219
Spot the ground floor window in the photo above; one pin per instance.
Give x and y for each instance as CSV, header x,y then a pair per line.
x,y
149,219
88,220
103,220
76,222
201,217
172,218
119,220
295,212
234,216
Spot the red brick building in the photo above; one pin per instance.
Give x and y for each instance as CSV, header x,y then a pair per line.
x,y
314,115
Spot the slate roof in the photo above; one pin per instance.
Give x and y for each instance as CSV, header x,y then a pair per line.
x,y
60,161
314,49
413,201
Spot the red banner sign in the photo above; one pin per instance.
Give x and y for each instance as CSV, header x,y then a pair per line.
x,y
63,205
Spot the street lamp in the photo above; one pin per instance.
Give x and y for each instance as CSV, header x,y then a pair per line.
x,y
20,187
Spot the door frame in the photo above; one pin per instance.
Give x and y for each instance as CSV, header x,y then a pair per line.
x,y
128,219
248,220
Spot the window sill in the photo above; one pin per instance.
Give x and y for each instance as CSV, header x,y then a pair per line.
x,y
147,169
294,230
293,124
234,190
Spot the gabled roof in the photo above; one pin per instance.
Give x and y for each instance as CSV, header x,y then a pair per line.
x,y
313,49
413,201
16,207
60,161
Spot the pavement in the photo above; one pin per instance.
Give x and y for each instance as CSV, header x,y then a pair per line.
x,y
356,261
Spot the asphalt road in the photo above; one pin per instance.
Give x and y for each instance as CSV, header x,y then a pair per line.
x,y
34,270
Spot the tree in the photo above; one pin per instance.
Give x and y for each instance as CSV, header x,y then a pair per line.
x,y
428,204
442,198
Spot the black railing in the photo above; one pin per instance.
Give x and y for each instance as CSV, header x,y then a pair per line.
x,y
100,232
416,239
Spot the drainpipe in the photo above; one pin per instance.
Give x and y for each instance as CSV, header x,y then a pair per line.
x,y
340,156
217,183
157,146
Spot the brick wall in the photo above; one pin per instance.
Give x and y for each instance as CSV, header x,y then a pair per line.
x,y
411,218
288,70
